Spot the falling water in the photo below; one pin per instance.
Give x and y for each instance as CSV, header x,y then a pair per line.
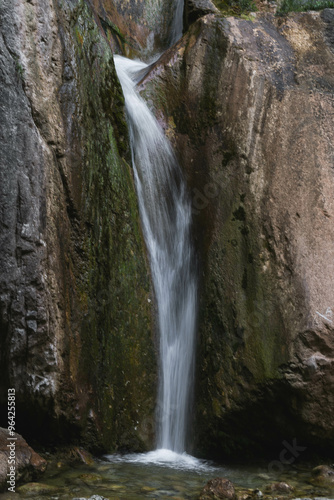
x,y
177,23
166,218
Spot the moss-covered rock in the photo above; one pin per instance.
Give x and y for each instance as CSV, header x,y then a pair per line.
x,y
136,27
80,351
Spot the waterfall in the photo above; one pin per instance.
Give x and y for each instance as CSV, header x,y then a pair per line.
x,y
177,23
165,212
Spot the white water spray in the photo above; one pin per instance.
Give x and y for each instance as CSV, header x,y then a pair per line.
x,y
166,218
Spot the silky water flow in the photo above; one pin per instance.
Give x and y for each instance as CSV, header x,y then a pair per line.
x,y
165,211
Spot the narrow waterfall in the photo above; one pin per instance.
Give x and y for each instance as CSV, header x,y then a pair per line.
x,y
177,23
166,218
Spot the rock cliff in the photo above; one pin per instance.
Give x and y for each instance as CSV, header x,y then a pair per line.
x,y
75,312
249,107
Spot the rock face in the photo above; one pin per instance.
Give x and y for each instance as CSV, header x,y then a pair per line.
x,y
75,316
249,106
28,464
136,26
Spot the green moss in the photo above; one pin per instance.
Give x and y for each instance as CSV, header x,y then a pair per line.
x,y
18,67
114,368
303,5
106,23
235,7
240,214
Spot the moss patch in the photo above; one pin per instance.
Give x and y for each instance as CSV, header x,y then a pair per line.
x,y
303,5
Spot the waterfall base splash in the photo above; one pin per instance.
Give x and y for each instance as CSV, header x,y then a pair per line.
x,y
165,458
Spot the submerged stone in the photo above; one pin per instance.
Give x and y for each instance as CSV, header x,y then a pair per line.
x,y
33,489
281,487
217,489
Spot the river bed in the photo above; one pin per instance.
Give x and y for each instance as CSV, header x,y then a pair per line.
x,y
161,475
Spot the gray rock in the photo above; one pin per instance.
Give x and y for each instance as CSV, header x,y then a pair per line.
x,y
94,497
195,9
72,254
328,15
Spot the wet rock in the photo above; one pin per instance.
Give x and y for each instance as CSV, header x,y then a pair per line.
x,y
132,26
34,489
248,494
257,493
28,464
323,475
72,260
147,489
280,488
94,497
116,487
82,455
217,489
90,478
249,108
323,471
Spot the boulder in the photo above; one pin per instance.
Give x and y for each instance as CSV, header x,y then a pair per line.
x,y
280,488
323,475
31,490
218,488
28,464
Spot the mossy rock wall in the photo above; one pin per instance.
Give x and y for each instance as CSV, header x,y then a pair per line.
x,y
83,358
136,28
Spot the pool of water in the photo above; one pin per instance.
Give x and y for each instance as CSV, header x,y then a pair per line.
x,y
160,474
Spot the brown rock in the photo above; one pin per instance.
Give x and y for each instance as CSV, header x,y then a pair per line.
x,y
138,23
323,475
249,106
279,488
29,465
218,488
323,471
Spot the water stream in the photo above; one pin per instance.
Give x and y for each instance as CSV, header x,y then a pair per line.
x,y
177,22
166,217
134,477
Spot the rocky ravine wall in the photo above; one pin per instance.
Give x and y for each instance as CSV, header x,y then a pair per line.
x,y
249,106
135,27
75,312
